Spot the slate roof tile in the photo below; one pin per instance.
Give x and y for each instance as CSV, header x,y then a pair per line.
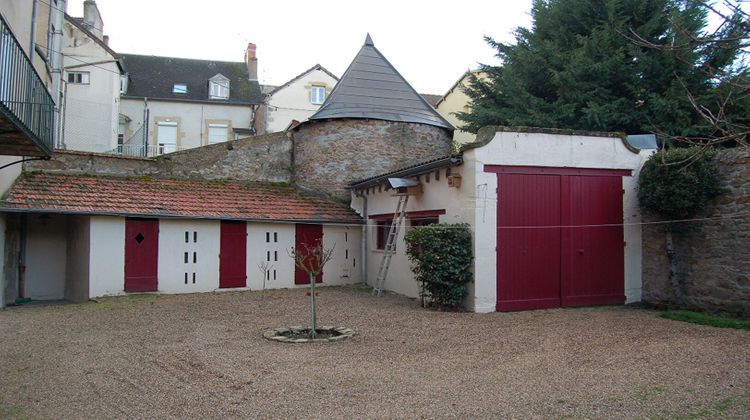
x,y
372,88
153,77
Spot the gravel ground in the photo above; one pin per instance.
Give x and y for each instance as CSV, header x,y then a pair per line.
x,y
204,356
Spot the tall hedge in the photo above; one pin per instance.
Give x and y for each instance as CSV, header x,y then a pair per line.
x,y
676,183
441,261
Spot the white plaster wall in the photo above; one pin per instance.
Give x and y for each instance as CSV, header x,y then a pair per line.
x,y
172,248
91,110
476,203
344,266
260,251
437,195
46,256
8,175
192,119
535,149
107,256
292,102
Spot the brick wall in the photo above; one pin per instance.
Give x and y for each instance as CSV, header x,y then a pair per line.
x,y
330,154
713,257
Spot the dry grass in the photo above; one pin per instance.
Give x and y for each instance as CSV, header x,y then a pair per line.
x,y
204,356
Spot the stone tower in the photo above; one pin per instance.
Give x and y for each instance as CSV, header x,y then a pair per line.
x,y
372,123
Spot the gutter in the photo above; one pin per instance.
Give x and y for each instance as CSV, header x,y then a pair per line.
x,y
408,172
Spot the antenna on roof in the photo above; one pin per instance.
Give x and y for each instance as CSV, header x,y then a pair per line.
x,y
368,41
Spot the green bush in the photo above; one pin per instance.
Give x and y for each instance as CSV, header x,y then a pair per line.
x,y
676,183
441,261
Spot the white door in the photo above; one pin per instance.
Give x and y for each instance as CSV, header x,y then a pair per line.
x,y
217,133
166,136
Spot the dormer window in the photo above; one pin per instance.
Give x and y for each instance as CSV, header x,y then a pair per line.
x,y
218,87
317,95
179,88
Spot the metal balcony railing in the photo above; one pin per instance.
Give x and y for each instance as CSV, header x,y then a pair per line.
x,y
144,151
24,100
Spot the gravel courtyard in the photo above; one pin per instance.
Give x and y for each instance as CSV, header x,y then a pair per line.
x,y
203,356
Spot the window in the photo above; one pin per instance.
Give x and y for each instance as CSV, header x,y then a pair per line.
x,y
383,228
179,88
218,87
318,95
166,136
123,84
217,133
78,77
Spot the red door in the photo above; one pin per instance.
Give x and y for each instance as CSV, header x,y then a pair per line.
x,y
141,255
528,242
309,235
559,238
233,255
595,251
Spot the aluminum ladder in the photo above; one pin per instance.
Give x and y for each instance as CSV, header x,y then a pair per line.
x,y
390,245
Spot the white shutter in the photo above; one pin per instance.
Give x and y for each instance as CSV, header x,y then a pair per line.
x,y
217,133
166,135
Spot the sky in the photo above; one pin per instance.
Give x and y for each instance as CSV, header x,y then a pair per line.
x,y
431,43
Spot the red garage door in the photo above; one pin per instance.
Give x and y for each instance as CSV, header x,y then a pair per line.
x,y
560,237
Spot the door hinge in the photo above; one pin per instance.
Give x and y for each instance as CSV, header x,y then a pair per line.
x,y
624,243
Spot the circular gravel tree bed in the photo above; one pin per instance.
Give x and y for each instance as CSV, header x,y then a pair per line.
x,y
300,334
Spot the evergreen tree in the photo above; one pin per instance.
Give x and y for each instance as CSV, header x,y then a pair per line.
x,y
593,65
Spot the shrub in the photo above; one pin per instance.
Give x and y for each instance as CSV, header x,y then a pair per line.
x,y
676,183
441,261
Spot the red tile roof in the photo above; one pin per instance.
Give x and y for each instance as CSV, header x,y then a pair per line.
x,y
85,194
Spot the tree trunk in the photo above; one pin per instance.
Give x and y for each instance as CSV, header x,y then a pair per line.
x,y
674,278
313,308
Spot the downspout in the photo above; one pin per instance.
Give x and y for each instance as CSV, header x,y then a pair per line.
x,y
144,126
363,245
62,120
32,44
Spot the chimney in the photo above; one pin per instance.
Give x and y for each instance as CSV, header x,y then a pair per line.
x,y
251,61
105,39
92,19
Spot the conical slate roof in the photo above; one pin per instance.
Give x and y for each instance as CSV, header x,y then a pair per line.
x,y
372,88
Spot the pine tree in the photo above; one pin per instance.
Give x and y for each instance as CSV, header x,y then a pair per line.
x,y
592,65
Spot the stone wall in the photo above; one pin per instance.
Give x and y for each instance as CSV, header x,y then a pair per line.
x,y
712,256
260,158
330,154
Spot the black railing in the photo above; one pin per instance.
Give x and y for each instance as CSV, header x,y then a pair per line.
x,y
23,96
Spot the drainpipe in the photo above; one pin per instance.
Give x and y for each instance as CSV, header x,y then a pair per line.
x,y
144,126
61,138
363,245
54,54
32,42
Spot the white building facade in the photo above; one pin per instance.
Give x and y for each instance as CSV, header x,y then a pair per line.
x,y
468,192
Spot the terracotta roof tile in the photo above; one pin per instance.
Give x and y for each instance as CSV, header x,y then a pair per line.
x,y
171,198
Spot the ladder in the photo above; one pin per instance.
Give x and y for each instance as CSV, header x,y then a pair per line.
x,y
390,245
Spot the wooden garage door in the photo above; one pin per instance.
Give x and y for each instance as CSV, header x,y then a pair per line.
x,y
560,237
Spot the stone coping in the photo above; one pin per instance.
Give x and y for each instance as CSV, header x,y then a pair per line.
x,y
277,334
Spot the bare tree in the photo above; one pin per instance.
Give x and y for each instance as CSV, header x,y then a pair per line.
x,y
311,259
722,112
264,267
